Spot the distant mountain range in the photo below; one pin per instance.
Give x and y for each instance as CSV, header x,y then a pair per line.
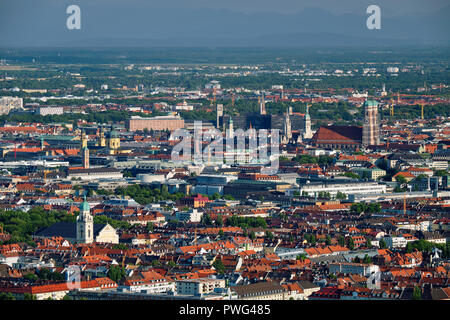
x,y
121,25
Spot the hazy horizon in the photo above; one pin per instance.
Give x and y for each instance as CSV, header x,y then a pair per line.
x,y
253,23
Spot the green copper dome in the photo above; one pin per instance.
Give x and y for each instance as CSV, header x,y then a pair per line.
x,y
113,134
85,205
371,103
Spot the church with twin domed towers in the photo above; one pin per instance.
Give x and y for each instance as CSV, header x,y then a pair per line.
x,y
351,137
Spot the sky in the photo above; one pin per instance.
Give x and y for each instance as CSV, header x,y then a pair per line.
x,y
43,22
389,7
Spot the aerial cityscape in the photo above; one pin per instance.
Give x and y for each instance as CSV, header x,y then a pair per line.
x,y
234,173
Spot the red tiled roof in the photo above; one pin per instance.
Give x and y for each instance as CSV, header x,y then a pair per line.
x,y
338,134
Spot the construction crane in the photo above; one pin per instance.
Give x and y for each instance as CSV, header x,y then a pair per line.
x,y
391,109
123,260
214,97
195,240
404,204
422,111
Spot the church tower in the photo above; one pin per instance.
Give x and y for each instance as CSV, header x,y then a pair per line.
x,y
307,133
83,140
85,224
102,139
113,141
370,135
287,129
85,157
262,104
219,115
230,132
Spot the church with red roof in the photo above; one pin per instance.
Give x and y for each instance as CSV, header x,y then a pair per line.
x,y
338,137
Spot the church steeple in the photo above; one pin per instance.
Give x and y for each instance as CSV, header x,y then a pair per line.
x,y
262,104
102,139
113,141
85,157
230,133
84,151
287,130
83,140
371,133
85,223
307,133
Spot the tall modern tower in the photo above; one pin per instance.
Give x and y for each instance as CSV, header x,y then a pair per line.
x,y
371,131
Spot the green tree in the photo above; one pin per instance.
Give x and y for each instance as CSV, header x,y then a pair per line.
x,y
206,219
215,196
246,222
30,277
6,296
219,266
341,196
400,179
417,293
120,246
328,240
156,263
301,257
351,175
351,243
373,208
219,221
29,296
440,173
116,273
